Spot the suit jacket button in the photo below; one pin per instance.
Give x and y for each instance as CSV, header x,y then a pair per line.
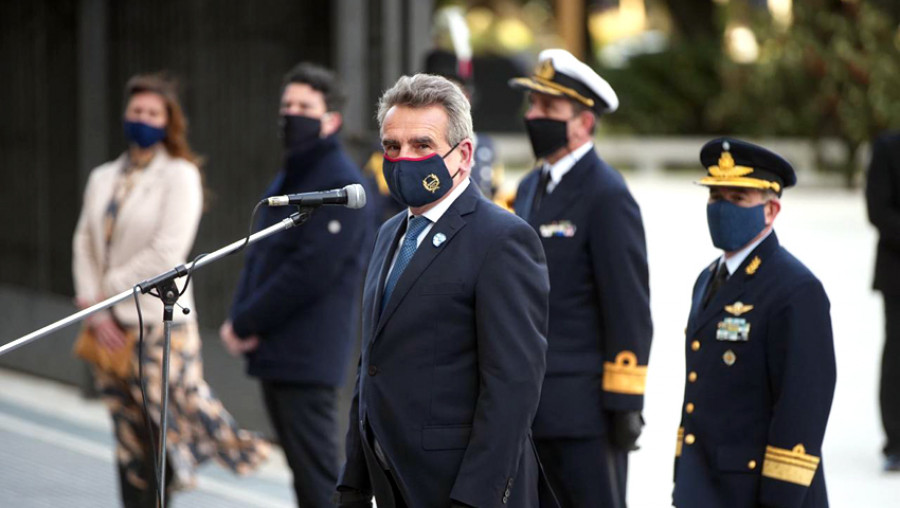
x,y
373,370
506,494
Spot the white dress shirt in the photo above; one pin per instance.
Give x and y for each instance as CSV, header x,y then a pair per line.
x,y
564,165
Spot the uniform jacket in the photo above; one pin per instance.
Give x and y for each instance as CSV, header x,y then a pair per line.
x,y
153,233
451,369
299,289
883,199
760,380
600,328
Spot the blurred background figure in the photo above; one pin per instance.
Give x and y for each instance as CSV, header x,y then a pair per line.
x,y
600,327
296,307
139,219
883,198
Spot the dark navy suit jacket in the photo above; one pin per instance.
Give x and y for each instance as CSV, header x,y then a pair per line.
x,y
451,370
883,200
592,232
299,289
756,406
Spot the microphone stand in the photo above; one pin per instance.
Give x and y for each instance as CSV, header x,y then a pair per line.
x,y
168,292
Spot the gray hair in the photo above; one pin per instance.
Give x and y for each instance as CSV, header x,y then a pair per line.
x,y
424,90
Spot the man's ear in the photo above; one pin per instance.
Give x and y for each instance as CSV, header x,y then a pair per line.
x,y
331,123
773,206
466,154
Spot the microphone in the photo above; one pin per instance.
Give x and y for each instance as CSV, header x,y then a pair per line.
x,y
351,196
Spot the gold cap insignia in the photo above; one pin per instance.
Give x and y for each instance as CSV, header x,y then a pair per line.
x,y
431,183
753,266
727,169
545,70
738,308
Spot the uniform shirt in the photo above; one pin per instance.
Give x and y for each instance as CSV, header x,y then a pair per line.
x,y
562,166
433,215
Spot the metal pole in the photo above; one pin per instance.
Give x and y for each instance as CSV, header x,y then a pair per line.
x,y
113,300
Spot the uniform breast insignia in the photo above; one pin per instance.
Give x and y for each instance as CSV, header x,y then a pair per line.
x,y
733,329
438,239
729,358
431,183
738,308
562,228
754,265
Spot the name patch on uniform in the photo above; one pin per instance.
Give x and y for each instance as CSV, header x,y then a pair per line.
x,y
561,228
733,329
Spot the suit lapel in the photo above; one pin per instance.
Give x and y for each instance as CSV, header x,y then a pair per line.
x,y
384,254
702,285
449,225
525,197
566,192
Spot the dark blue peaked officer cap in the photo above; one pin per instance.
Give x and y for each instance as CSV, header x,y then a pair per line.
x,y
735,163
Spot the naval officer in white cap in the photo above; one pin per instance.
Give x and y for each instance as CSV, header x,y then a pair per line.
x,y
589,416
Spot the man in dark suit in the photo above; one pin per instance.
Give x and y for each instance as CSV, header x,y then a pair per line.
x,y
600,330
454,324
296,306
760,354
883,198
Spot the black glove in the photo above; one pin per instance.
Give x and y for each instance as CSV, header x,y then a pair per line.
x,y
346,497
626,429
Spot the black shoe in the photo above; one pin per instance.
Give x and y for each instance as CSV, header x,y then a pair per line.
x,y
892,464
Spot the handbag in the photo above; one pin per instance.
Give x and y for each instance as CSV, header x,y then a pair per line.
x,y
117,362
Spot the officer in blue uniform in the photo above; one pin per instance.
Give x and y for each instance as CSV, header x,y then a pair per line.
x,y
600,329
760,355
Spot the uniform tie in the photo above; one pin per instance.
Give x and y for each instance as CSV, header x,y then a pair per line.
x,y
413,230
715,284
541,190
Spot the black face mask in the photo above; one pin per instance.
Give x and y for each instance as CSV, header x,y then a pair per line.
x,y
298,131
546,135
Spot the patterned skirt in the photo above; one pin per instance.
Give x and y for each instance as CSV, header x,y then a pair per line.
x,y
199,427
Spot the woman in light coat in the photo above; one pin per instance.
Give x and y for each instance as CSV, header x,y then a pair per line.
x,y
139,218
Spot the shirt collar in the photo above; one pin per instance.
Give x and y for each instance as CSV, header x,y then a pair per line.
x,y
434,214
734,262
562,166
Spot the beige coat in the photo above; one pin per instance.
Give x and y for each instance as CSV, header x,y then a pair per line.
x,y
154,232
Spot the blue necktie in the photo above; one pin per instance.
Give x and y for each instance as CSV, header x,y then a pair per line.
x,y
413,230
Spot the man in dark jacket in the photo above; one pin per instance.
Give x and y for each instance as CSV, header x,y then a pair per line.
x,y
296,307
454,320
759,350
883,197
600,329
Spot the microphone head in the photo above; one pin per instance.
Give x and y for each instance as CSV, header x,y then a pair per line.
x,y
356,196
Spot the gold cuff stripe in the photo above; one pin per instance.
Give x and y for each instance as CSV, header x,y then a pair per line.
x,y
625,375
793,466
750,183
808,462
679,442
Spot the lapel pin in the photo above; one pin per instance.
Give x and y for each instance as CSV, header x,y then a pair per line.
x,y
438,239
